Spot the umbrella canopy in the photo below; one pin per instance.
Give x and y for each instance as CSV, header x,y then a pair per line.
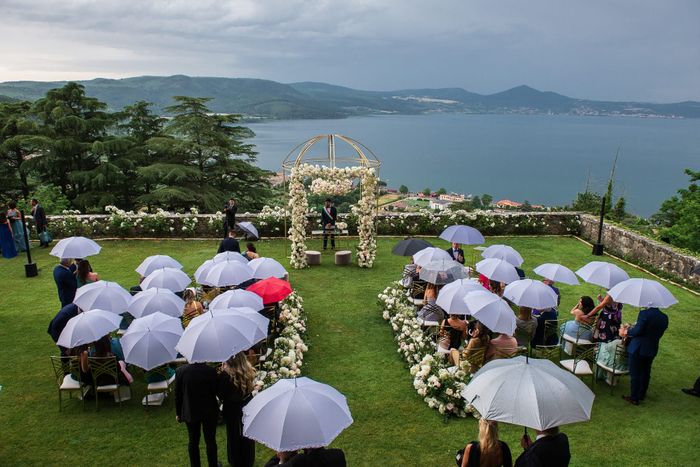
x,y
150,341
216,335
155,300
75,247
267,267
642,293
227,273
167,278
531,293
104,295
249,229
262,323
202,270
504,252
87,327
295,414
154,262
603,274
491,310
533,393
442,271
230,256
497,270
410,246
556,273
429,254
271,290
451,297
237,298
462,234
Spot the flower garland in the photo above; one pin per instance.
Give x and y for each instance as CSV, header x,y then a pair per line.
x,y
336,187
366,212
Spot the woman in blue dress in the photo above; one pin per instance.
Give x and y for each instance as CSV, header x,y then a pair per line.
x,y
18,230
7,242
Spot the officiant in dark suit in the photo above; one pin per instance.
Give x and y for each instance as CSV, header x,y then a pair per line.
x,y
456,252
230,210
329,214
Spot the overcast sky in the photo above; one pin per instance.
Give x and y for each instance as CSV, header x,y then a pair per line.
x,y
645,50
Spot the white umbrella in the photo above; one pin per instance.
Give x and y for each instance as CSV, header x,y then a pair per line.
x,y
504,252
249,229
491,310
442,271
556,273
150,341
462,234
451,297
230,256
429,254
261,321
267,267
87,327
154,262
603,274
227,273
295,414
216,335
202,270
167,278
238,298
497,270
75,247
531,293
155,300
642,293
104,295
529,392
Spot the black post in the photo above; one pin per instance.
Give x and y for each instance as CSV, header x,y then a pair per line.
x,y
30,269
598,247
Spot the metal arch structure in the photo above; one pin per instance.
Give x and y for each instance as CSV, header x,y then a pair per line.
x,y
363,156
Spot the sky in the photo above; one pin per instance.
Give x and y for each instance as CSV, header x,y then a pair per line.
x,y
642,50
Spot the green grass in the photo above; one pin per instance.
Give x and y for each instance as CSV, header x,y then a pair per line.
x,y
351,348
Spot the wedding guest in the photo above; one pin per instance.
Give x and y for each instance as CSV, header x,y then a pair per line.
x,y
550,448
102,348
251,252
502,346
66,283
410,273
607,356
695,390
608,324
7,241
236,383
580,312
488,451
230,210
281,459
541,337
496,287
84,274
525,326
317,457
329,215
452,332
193,308
478,341
18,230
40,220
229,243
456,252
58,323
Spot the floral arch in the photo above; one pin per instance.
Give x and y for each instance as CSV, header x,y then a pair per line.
x,y
332,175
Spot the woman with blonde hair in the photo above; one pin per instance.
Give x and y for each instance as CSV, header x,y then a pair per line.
x,y
489,451
192,307
236,383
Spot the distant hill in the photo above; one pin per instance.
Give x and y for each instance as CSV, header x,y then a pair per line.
x,y
258,98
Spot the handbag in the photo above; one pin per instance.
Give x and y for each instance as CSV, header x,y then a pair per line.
x,y
45,237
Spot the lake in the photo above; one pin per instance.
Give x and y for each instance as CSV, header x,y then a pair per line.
x,y
542,159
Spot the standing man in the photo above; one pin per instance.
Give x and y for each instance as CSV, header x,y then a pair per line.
x,y
329,214
66,282
58,323
456,252
230,216
229,243
196,405
550,448
40,220
642,348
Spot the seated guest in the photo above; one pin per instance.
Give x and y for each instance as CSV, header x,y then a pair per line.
x,y
317,457
502,346
525,326
606,356
229,243
409,274
540,338
496,287
479,339
251,252
431,312
193,308
456,252
550,448
452,332
59,322
488,451
580,312
281,458
84,274
608,324
430,295
103,348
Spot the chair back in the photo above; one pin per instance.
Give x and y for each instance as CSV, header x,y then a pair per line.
x,y
553,329
104,369
548,352
418,288
588,354
65,365
475,358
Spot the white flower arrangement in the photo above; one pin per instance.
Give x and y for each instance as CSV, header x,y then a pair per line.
x,y
335,187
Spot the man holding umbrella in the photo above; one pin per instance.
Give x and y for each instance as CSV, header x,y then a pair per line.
x,y
550,448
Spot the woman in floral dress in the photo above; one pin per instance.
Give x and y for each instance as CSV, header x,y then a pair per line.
x,y
608,325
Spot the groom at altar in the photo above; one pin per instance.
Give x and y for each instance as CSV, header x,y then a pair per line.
x,y
329,214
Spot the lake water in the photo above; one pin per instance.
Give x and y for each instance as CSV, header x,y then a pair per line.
x,y
542,159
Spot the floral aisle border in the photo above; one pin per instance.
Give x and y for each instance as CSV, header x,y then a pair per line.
x,y
365,210
439,388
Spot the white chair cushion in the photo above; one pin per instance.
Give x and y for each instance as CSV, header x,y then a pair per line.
x,y
573,340
154,399
107,388
582,367
69,384
611,370
158,386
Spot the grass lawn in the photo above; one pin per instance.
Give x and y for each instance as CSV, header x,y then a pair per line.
x,y
351,348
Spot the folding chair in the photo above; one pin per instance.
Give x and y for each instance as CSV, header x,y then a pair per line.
x,y
583,363
157,391
612,375
105,370
64,368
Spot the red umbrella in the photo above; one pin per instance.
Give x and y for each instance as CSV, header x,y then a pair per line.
x,y
272,289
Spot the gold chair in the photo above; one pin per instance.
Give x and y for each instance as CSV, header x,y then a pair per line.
x,y
583,363
612,373
64,368
548,352
162,387
106,371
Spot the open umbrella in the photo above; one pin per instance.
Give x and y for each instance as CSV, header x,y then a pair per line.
x,y
497,270
104,295
442,271
87,327
491,310
531,392
227,273
451,297
155,300
75,247
504,252
271,290
237,298
556,273
295,414
230,256
642,293
603,274
429,254
462,234
531,293
262,323
154,262
249,229
150,341
167,278
267,267
202,270
410,246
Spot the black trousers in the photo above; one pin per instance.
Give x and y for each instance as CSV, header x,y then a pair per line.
x,y
328,232
194,430
640,374
240,451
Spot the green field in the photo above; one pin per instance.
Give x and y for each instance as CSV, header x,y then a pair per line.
x,y
351,348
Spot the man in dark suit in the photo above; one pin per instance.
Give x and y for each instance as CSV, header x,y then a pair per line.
x,y
642,348
456,252
196,405
58,323
329,214
229,243
230,210
39,219
550,448
66,282
319,457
